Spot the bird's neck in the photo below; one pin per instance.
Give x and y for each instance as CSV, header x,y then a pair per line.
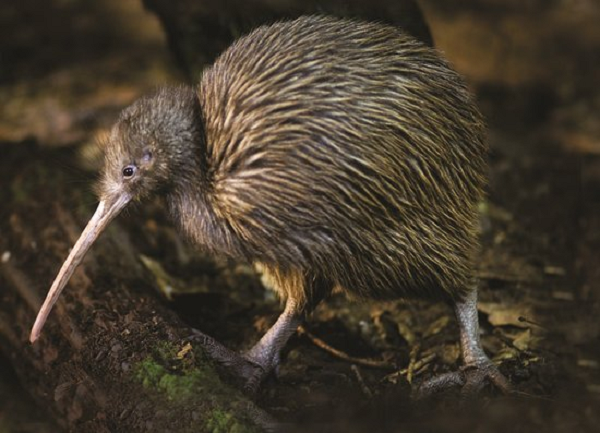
x,y
192,202
193,208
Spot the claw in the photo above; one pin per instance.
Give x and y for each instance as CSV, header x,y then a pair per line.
x,y
471,379
264,369
250,369
248,373
478,376
254,379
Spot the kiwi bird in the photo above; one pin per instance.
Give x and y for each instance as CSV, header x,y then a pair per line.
x,y
332,153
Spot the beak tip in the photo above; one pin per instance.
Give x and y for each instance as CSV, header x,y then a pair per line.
x,y
97,223
36,329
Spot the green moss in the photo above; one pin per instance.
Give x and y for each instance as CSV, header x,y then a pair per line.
x,y
165,351
224,422
175,384
192,379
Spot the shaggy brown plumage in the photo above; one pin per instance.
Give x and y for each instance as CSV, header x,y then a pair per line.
x,y
331,152
346,151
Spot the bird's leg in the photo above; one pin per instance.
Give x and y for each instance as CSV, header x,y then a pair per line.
x,y
236,364
253,367
266,352
302,292
477,367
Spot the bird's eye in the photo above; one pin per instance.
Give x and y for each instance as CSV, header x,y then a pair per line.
x,y
128,171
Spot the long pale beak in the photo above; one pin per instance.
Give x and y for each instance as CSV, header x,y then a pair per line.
x,y
107,210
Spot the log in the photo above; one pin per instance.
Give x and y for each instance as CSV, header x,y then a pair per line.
x,y
112,356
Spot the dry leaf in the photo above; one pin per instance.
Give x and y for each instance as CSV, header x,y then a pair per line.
x,y
503,315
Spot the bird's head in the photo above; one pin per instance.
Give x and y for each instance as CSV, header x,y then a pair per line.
x,y
155,144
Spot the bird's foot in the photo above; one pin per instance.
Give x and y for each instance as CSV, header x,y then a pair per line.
x,y
471,378
247,372
266,366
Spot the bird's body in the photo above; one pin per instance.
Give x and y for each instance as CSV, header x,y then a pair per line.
x,y
346,150
333,153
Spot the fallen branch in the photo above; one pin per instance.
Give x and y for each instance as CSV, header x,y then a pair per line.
x,y
366,362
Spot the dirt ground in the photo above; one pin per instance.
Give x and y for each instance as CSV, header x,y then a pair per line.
x,y
540,288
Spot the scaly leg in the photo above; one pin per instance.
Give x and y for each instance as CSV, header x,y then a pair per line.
x,y
302,292
477,366
254,366
266,353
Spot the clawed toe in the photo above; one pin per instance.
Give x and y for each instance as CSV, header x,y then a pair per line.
x,y
248,373
478,376
471,379
253,378
245,371
265,367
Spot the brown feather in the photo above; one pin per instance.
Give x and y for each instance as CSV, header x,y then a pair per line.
x,y
333,152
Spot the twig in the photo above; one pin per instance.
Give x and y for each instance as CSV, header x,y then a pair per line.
x,y
416,366
518,393
373,363
524,319
363,386
412,364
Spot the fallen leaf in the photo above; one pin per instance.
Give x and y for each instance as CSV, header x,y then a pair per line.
x,y
526,340
503,315
184,351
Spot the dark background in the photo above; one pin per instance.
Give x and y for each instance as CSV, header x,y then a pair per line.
x,y
68,66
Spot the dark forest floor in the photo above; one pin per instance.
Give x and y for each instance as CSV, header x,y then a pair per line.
x,y
539,298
